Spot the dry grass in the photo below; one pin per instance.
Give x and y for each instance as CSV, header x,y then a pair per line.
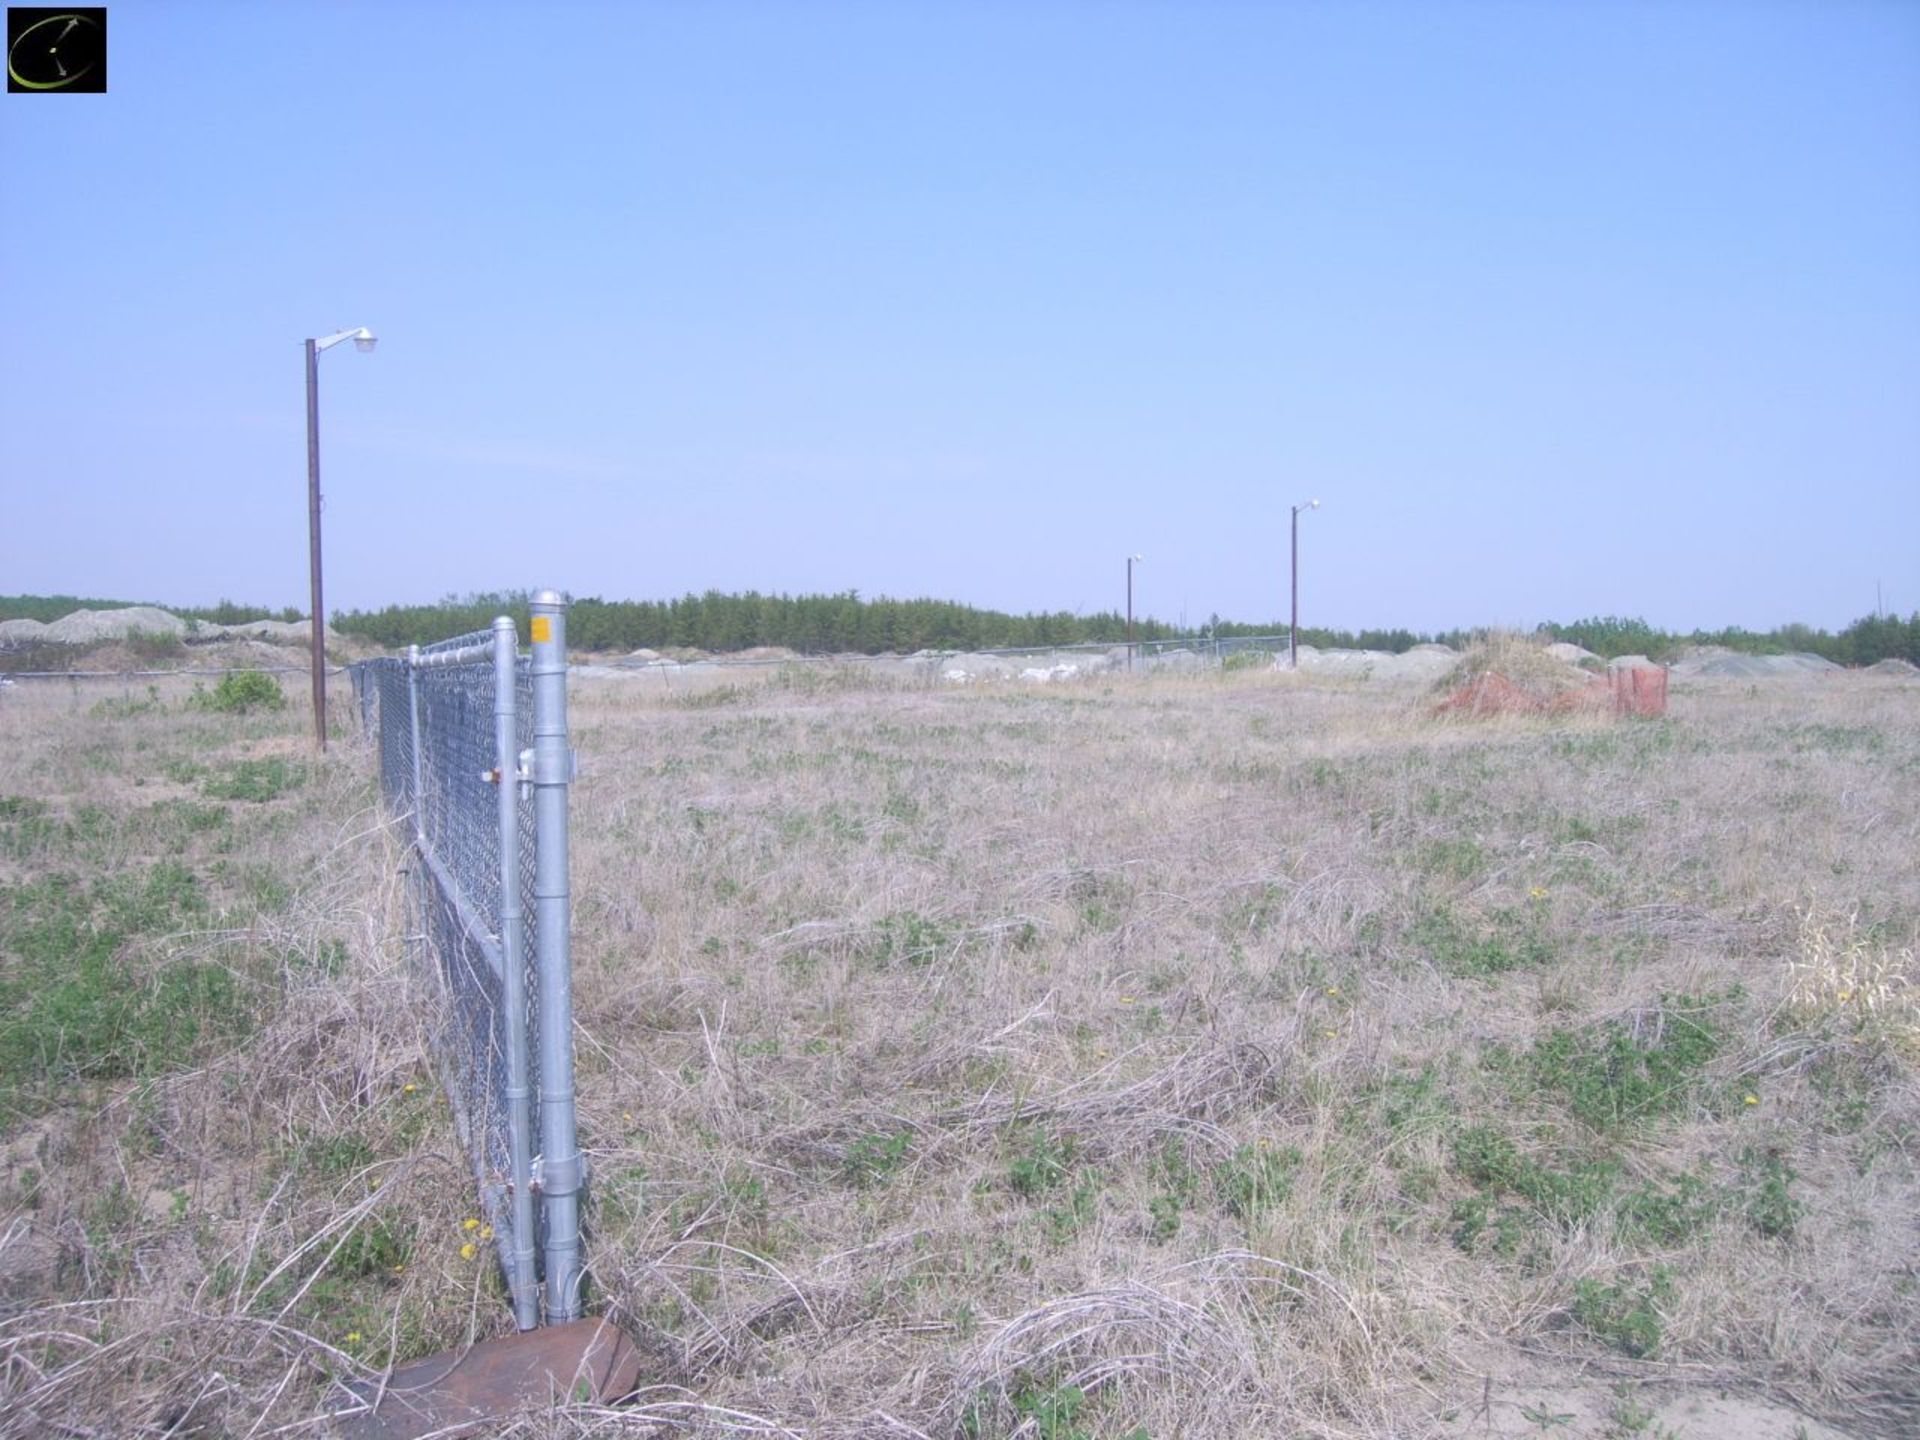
x,y
1205,1056
196,1235
1845,973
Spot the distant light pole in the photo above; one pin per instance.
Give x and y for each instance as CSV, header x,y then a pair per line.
x,y
1132,560
1293,625
363,341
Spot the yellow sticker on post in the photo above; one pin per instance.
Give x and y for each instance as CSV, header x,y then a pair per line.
x,y
542,628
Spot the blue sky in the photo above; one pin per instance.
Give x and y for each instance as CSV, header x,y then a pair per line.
x,y
1561,309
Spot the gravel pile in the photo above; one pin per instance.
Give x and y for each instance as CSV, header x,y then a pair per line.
x,y
274,632
1716,662
1572,654
94,627
1037,669
100,627
1423,664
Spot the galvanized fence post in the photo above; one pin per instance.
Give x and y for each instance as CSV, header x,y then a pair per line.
x,y
522,1280
422,887
413,720
561,1177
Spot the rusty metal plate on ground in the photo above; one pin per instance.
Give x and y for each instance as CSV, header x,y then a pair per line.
x,y
449,1395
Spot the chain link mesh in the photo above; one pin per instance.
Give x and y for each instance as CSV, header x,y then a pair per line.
x,y
383,688
529,859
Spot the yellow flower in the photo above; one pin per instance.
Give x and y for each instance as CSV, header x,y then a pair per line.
x,y
1538,892
1103,1054
469,1250
1845,996
469,1224
353,1337
1330,1034
1126,999
399,1269
486,1232
1334,990
408,1088
1751,1099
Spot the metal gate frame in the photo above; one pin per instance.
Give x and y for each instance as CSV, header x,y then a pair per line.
x,y
507,1040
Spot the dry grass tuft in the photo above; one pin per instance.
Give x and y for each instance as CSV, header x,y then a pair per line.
x,y
1843,973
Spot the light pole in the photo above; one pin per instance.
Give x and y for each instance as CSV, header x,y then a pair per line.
x,y
363,341
1132,560
1293,625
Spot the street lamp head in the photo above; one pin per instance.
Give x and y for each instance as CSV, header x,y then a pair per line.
x,y
1311,504
365,340
1136,558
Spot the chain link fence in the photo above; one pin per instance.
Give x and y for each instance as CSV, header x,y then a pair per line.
x,y
474,759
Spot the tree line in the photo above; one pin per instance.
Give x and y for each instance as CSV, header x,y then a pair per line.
x,y
810,624
848,624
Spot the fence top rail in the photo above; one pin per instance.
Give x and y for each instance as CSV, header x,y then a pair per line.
x,y
460,650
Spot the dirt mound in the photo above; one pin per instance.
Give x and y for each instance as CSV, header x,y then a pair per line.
x,y
92,627
1513,675
1522,664
1893,665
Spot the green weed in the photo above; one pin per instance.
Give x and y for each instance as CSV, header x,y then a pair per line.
x,y
71,1009
240,692
1625,1315
1670,1211
1076,1208
126,707
872,1159
1181,1190
256,780
1255,1180
1615,1080
1044,1165
1770,1205
1617,1073
1512,940
911,939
